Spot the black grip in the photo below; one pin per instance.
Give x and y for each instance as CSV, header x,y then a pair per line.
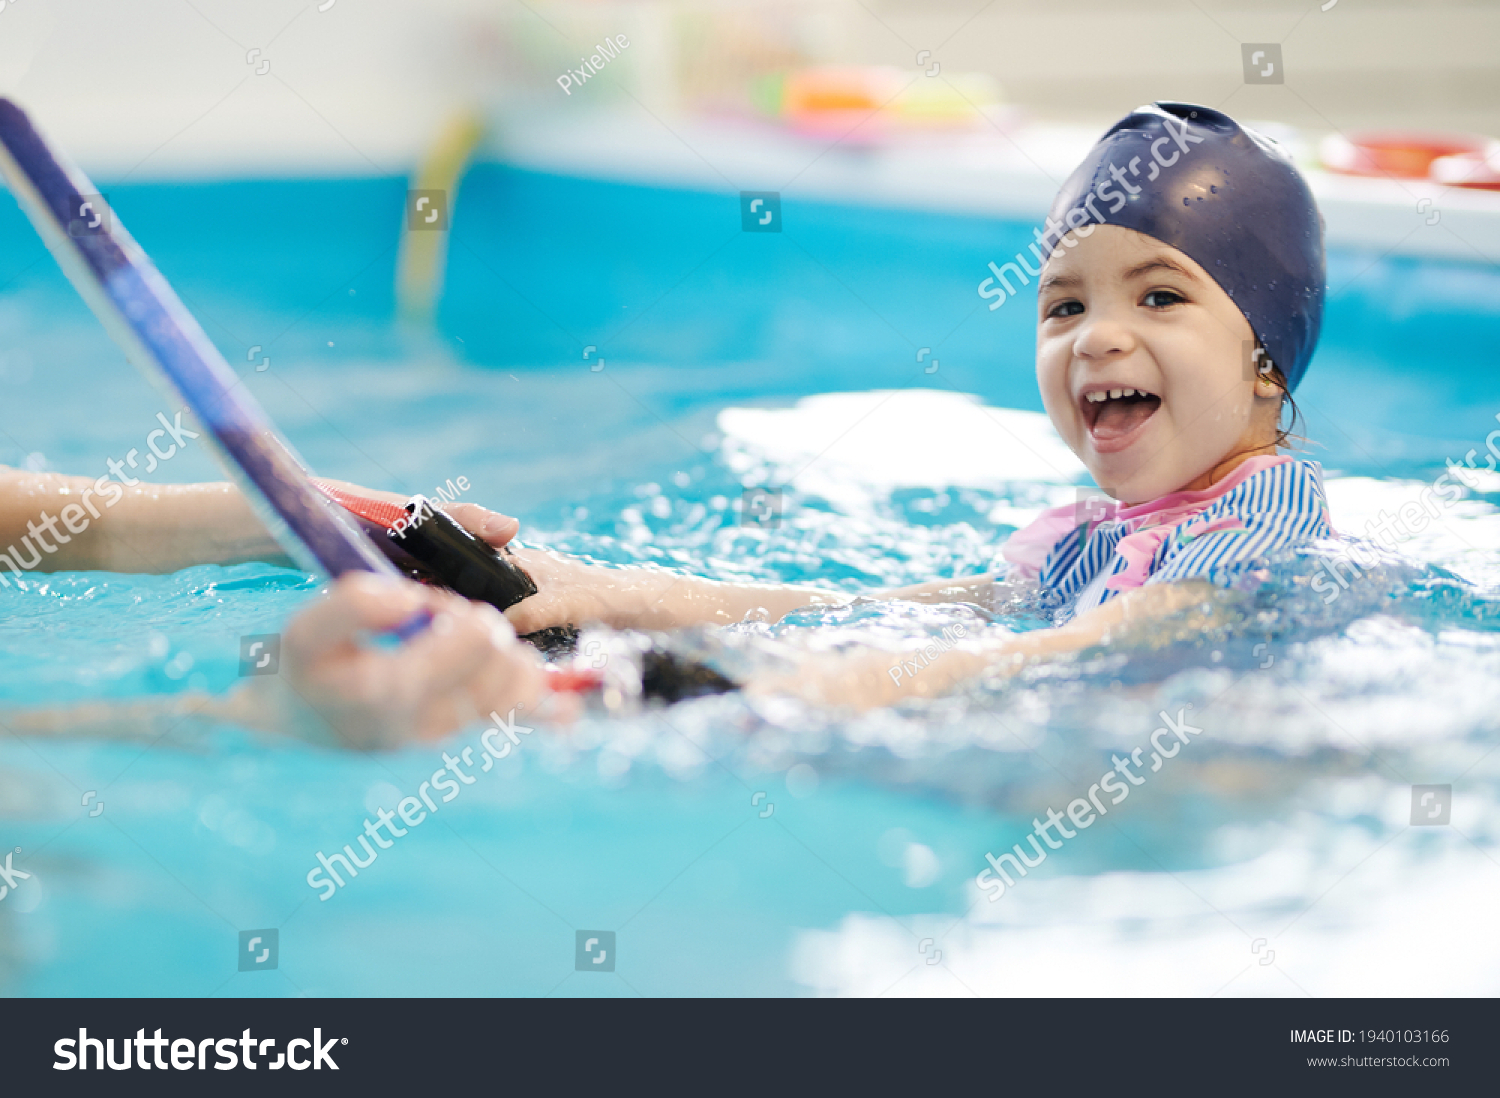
x,y
458,560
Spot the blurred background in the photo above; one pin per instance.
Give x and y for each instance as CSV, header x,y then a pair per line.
x,y
164,87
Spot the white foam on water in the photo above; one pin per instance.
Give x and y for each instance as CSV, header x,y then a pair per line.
x,y
844,446
1351,914
1464,536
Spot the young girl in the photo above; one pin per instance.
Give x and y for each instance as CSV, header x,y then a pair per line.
x,y
1180,298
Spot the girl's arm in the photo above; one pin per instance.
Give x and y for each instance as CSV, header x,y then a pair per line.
x,y
572,592
77,524
866,679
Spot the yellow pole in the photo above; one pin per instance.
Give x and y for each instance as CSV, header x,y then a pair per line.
x,y
428,214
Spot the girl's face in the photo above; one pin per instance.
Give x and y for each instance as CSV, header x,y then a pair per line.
x,y
1122,313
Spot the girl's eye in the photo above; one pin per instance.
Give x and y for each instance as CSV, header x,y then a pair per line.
x,y
1160,299
1065,308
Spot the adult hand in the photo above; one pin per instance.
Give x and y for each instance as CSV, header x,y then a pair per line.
x,y
464,665
489,526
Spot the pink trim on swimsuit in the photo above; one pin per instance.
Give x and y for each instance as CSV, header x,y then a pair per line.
x,y
1147,525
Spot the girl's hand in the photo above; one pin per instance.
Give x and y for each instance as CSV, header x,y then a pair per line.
x,y
573,592
460,668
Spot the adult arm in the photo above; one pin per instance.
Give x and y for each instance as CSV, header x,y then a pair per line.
x,y
77,524
332,685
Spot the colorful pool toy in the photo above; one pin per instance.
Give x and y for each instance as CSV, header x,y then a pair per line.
x,y
1403,154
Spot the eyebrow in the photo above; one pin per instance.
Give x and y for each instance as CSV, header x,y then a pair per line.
x,y
1160,263
1052,281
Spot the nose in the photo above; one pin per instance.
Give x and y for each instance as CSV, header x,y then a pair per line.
x,y
1103,337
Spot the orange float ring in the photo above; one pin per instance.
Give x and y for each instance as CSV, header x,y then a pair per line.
x,y
1405,154
1480,170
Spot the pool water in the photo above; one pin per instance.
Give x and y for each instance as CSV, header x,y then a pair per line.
x,y
735,848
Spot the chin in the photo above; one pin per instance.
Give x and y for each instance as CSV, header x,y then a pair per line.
x,y
1132,486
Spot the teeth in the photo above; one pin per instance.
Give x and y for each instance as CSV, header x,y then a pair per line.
x,y
1097,398
1127,392
1115,394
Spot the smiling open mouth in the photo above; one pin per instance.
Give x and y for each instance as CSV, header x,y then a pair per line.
x,y
1116,413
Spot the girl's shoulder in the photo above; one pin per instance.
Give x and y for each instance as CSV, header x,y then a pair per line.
x,y
1287,487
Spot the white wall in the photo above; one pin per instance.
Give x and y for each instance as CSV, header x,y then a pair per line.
x,y
160,88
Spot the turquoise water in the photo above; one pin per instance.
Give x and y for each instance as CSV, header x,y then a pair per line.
x,y
1287,820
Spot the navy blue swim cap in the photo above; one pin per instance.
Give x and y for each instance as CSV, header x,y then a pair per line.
x,y
1227,197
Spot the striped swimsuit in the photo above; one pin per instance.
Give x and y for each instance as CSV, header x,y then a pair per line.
x,y
1220,534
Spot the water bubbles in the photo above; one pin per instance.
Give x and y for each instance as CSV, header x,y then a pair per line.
x,y
920,866
918,863
381,795
802,781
